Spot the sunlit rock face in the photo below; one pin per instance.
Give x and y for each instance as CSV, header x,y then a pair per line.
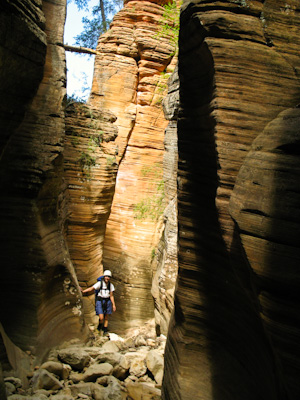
x,y
40,306
234,330
90,170
132,65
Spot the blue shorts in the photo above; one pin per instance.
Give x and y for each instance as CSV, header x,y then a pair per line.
x,y
103,306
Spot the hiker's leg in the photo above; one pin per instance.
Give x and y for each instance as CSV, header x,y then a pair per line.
x,y
105,325
107,314
105,321
101,319
100,313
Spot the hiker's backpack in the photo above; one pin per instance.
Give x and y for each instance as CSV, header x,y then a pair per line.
x,y
101,284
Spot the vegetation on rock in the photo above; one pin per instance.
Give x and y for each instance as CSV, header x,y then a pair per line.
x,y
169,28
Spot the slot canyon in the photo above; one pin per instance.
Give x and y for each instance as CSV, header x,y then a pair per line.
x,y
180,174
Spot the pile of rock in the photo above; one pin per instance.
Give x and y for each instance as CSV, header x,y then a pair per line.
x,y
106,368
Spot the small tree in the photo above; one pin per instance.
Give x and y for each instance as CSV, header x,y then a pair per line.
x,y
102,14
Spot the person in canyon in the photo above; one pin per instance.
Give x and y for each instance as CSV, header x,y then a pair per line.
x,y
104,302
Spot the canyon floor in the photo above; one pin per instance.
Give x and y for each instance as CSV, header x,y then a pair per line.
x,y
106,367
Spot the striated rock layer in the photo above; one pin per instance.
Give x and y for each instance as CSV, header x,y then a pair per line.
x,y
234,330
265,206
130,75
38,282
90,169
165,258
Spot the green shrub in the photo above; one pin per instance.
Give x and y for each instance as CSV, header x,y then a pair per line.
x,y
110,160
169,24
86,160
151,207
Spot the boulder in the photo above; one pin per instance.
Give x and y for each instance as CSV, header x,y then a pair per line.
x,y
140,341
138,367
76,377
110,347
64,394
111,358
15,381
112,388
26,397
43,379
42,392
57,368
120,370
61,396
146,378
75,357
10,388
155,364
97,370
150,342
130,378
99,393
86,388
143,391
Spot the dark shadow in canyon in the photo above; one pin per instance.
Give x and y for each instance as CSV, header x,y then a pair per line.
x,y
216,340
271,242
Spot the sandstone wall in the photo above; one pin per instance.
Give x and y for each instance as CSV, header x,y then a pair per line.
x,y
165,260
38,282
90,169
234,330
265,206
131,71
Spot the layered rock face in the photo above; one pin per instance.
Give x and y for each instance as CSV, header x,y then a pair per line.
x,y
58,179
234,330
25,48
90,170
165,260
38,283
265,206
131,71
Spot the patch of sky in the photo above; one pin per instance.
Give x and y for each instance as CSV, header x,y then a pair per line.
x,y
80,67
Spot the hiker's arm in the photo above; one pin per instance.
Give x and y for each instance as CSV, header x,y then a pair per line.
x,y
113,301
89,290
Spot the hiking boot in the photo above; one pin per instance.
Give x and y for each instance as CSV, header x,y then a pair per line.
x,y
105,331
99,327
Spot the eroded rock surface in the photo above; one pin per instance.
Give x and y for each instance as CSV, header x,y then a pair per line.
x,y
38,284
264,205
238,70
90,170
234,331
131,70
165,257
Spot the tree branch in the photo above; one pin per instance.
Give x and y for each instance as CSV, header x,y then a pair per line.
x,y
75,49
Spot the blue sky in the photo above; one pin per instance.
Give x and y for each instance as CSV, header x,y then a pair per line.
x,y
79,67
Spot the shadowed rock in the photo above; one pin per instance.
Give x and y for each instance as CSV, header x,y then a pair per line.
x,y
237,71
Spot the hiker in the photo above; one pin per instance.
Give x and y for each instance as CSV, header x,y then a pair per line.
x,y
104,302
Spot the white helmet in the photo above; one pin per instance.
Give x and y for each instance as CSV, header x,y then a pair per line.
x,y
107,273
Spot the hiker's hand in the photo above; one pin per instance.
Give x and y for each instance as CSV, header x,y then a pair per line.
x,y
114,308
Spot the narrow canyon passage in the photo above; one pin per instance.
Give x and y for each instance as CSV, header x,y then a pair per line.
x,y
179,175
